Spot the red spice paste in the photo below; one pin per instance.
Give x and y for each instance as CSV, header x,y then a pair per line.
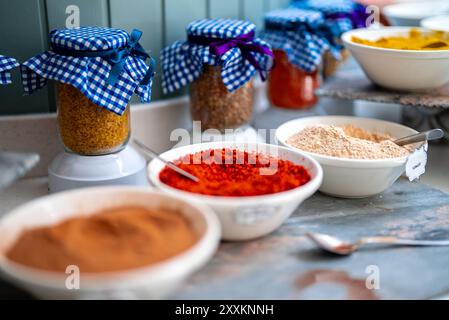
x,y
234,173
289,86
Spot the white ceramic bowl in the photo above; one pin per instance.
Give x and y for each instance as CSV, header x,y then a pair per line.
x,y
409,70
438,23
152,282
411,13
352,178
244,218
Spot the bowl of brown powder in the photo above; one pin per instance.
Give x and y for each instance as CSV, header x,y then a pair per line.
x,y
358,155
106,243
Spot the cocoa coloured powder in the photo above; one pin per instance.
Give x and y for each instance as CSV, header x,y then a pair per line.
x,y
111,240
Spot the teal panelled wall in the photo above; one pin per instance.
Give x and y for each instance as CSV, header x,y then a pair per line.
x,y
24,26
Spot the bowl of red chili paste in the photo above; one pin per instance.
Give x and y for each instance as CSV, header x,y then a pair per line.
x,y
252,187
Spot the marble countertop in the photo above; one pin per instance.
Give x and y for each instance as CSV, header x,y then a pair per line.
x,y
22,191
437,173
296,270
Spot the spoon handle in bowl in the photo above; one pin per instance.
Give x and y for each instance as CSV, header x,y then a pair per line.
x,y
419,137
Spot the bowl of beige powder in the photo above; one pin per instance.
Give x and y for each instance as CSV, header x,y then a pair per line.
x,y
358,155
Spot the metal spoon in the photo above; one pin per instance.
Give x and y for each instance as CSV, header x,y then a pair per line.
x,y
169,164
433,134
336,246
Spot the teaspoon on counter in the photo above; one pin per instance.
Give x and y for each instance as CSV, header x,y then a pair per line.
x,y
169,164
339,247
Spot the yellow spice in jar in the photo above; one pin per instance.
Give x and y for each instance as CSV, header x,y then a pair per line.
x,y
88,129
416,40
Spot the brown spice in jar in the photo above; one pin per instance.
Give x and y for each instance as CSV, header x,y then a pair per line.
x,y
331,64
216,107
88,129
111,240
347,141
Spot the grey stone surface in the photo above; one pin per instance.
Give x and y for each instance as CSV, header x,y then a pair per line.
x,y
285,265
14,165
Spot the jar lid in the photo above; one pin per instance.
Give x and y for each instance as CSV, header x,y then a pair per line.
x,y
229,44
345,14
220,28
89,38
301,34
326,6
6,65
292,18
107,65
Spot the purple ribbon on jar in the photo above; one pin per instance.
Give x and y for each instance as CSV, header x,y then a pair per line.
x,y
219,46
358,16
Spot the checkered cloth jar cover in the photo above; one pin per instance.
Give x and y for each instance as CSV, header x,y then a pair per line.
x,y
107,65
230,44
343,15
301,34
6,65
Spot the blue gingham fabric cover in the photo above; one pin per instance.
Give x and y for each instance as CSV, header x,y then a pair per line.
x,y
182,62
329,7
297,33
6,65
89,74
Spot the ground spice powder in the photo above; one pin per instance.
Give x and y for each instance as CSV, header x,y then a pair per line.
x,y
234,173
347,142
112,240
416,40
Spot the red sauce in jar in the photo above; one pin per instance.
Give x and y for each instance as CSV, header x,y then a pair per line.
x,y
291,87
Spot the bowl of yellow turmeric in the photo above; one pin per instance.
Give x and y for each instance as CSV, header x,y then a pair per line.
x,y
401,58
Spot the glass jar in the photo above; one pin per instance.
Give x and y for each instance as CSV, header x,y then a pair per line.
x,y
331,64
291,87
87,129
216,107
